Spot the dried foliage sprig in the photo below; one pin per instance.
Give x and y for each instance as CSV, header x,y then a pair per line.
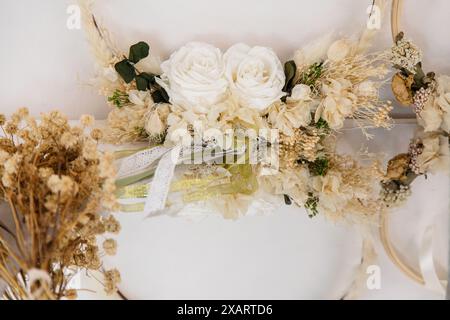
x,y
55,182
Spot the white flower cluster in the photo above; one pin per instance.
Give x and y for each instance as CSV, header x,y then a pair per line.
x,y
436,112
198,76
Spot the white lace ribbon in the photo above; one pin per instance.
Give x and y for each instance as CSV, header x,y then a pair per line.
x,y
160,186
140,161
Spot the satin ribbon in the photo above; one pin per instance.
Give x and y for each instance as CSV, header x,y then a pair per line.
x,y
159,163
426,262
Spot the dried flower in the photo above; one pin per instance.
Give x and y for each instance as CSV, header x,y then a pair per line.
x,y
111,225
87,120
401,87
97,134
71,294
421,98
68,140
415,150
112,279
55,181
398,167
110,247
406,54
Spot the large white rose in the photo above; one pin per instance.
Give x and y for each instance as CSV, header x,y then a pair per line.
x,y
194,77
256,76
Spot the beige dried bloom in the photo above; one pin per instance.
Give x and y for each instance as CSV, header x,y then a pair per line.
x,y
97,134
12,164
405,54
112,279
45,173
111,225
71,294
63,185
4,156
110,247
87,120
68,140
90,150
2,119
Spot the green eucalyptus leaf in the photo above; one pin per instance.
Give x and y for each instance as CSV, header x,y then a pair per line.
x,y
160,96
290,70
138,52
126,70
149,77
142,83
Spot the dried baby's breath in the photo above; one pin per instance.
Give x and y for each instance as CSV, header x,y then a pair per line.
x,y
55,182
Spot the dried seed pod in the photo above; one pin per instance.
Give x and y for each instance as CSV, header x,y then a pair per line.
x,y
398,167
401,87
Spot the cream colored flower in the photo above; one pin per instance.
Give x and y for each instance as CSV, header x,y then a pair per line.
x,y
443,100
12,164
366,89
45,173
64,185
291,182
288,117
256,76
110,247
156,120
4,156
329,189
431,116
194,77
90,150
87,120
68,140
337,103
435,156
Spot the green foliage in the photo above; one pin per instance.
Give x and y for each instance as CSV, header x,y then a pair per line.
x,y
126,70
119,99
138,52
290,71
319,167
310,76
322,125
144,81
311,205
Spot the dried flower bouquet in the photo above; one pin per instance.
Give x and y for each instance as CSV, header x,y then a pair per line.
x,y
54,184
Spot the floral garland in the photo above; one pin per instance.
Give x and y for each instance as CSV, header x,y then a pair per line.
x,y
428,152
429,96
306,100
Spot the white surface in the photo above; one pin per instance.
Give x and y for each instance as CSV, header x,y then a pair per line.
x,y
44,65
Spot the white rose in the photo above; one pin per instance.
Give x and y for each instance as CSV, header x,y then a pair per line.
x,y
256,76
194,77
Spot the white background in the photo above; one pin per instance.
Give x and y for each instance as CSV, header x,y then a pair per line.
x,y
44,66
